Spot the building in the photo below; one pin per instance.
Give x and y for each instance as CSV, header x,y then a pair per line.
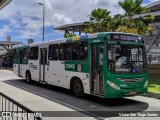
x,y
152,38
4,46
6,51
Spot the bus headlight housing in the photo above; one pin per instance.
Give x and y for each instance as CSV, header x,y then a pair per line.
x,y
113,85
145,84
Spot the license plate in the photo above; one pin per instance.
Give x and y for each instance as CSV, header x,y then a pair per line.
x,y
132,93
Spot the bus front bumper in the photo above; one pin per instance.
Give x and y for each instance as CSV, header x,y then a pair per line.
x,y
127,92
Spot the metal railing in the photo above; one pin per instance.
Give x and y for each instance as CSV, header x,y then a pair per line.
x,y
12,110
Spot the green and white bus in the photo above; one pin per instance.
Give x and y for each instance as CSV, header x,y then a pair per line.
x,y
106,64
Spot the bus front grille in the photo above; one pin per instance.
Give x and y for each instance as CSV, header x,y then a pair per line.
x,y
130,80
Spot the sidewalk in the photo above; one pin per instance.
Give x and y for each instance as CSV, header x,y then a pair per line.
x,y
37,103
3,68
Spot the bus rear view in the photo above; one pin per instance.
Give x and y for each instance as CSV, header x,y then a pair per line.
x,y
126,71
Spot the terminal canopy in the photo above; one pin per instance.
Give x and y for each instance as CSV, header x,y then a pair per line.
x,y
75,27
3,3
7,44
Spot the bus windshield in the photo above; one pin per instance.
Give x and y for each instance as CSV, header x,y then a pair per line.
x,y
126,58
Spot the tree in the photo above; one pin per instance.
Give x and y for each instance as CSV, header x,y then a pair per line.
x,y
69,35
30,40
115,22
131,24
98,21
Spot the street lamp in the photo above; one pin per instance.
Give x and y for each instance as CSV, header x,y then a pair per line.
x,y
43,17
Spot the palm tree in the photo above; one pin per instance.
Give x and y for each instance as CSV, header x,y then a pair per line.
x,y
131,24
98,20
115,22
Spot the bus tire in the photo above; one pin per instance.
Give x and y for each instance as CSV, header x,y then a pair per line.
x,y
28,77
77,88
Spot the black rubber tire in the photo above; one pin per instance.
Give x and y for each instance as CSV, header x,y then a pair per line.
x,y
28,77
77,88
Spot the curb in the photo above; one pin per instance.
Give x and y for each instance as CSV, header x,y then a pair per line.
x,y
152,95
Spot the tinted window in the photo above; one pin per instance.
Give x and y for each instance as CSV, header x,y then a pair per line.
x,y
53,52
65,51
79,51
25,53
16,54
34,53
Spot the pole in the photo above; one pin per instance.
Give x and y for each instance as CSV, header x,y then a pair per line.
x,y
43,20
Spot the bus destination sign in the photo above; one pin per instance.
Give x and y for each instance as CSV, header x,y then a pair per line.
x,y
126,37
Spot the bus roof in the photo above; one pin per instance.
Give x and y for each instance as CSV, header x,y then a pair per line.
x,y
20,46
74,39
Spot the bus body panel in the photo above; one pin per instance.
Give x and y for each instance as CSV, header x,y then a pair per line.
x,y
15,68
33,67
84,77
24,68
57,75
126,88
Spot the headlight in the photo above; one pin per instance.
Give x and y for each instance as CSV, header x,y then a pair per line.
x,y
113,85
145,84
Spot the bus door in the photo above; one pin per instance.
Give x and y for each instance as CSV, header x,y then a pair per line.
x,y
42,66
97,53
20,63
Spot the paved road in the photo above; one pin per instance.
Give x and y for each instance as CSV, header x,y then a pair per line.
x,y
90,105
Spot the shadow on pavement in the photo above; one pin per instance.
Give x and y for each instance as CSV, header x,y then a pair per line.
x,y
90,105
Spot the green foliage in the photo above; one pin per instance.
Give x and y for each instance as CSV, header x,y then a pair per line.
x,y
98,21
2,48
101,21
132,8
115,22
69,35
154,88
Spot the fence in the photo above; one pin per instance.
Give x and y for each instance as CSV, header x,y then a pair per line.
x,y
12,110
153,58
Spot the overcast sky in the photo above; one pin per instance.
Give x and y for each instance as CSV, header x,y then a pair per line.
x,y
22,19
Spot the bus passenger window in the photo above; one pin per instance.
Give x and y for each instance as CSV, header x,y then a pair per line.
x,y
25,54
34,53
53,52
65,51
80,50
16,54
74,53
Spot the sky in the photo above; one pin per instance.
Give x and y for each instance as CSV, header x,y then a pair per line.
x,y
23,19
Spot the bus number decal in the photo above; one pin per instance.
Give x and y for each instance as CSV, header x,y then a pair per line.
x,y
70,66
96,41
34,67
86,75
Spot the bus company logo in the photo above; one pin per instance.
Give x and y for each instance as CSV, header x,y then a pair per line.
x,y
34,67
6,114
123,85
70,66
96,41
15,114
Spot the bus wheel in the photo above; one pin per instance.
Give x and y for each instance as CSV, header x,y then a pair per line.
x,y
77,88
28,77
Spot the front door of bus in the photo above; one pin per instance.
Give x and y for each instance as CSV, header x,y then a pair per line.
x,y
20,63
43,60
97,53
